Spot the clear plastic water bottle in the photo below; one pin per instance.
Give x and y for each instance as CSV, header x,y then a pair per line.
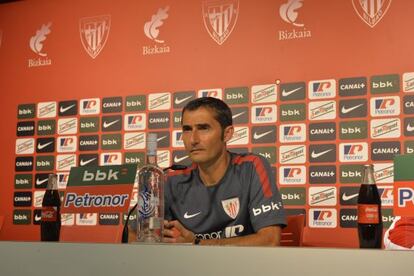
x,y
150,219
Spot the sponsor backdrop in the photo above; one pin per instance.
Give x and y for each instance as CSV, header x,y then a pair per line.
x,y
319,88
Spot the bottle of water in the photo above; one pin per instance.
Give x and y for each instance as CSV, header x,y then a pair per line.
x,y
150,196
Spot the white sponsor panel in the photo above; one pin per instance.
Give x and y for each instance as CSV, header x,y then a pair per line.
x,y
135,121
322,218
240,136
134,140
38,198
177,139
353,152
86,219
65,161
385,106
46,110
292,175
67,144
408,82
110,158
322,196
295,154
384,173
213,92
385,128
62,180
387,195
292,133
323,110
265,93
90,106
163,158
67,126
25,146
67,219
159,101
264,114
322,89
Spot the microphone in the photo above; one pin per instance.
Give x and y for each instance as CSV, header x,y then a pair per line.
x,y
125,234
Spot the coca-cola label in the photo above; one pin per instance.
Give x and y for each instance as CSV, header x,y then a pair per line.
x,y
49,213
368,213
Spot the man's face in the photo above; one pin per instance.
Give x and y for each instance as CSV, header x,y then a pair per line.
x,y
202,135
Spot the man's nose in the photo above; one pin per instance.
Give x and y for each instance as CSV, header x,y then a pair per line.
x,y
195,139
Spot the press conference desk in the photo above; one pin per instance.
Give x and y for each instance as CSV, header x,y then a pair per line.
x,y
31,258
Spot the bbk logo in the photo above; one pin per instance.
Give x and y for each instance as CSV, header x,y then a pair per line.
x,y
371,12
90,106
263,134
352,87
65,161
88,160
22,217
385,150
322,89
293,195
385,84
26,111
289,13
177,141
163,158
356,108
109,218
151,30
384,173
110,158
134,140
267,152
25,128
181,157
112,105
322,131
46,110
25,146
111,141
159,120
36,45
67,143
41,180
295,154
87,219
353,152
89,143
240,136
46,127
240,115
292,112
45,163
46,144
408,82
409,147
348,218
264,208
94,32
408,103
264,114
23,181
409,126
67,126
180,99
322,196
322,218
324,110
89,124
322,174
135,103
68,108
159,101
351,174
63,177
236,95
292,91
351,130
348,195
265,93
386,195
385,106
292,133
22,199
177,119
111,123
290,175
322,153
134,158
214,92
24,164
385,128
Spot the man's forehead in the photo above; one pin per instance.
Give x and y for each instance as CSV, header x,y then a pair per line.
x,y
200,116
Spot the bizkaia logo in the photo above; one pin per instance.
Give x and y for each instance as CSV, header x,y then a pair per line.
x,y
408,104
23,181
322,218
181,98
324,110
159,101
240,136
26,111
263,134
22,199
25,146
385,84
112,105
111,123
293,195
322,89
353,152
25,128
322,196
67,143
351,130
136,121
288,12
295,154
159,120
177,139
236,95
62,179
22,217
89,143
67,126
68,108
181,157
348,218
88,124
322,153
46,144
290,175
351,174
109,219
46,110
322,131
292,91
24,164
134,140
371,12
352,87
220,17
387,195
151,30
353,108
90,106
94,32
409,126
86,219
384,173
265,93
292,133
135,103
385,128
65,161
322,174
348,195
110,158
385,150
264,114
408,82
41,180
89,160
36,45
240,115
213,92
385,106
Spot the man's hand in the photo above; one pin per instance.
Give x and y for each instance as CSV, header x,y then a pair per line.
x,y
174,232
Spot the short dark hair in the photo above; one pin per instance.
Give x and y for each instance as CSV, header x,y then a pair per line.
x,y
222,112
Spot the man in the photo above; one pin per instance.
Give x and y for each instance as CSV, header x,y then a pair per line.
x,y
223,198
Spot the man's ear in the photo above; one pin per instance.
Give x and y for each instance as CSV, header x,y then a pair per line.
x,y
228,133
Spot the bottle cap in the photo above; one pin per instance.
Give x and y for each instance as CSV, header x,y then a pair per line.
x,y
152,143
368,176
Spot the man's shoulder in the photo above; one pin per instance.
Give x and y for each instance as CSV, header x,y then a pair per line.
x,y
247,158
180,175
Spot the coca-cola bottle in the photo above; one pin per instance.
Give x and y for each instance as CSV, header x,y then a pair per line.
x,y
150,216
369,211
50,222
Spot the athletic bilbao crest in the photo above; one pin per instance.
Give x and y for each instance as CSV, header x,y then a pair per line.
x,y
94,32
231,207
220,17
371,11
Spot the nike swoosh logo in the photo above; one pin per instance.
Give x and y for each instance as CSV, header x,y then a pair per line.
x,y
410,128
238,115
258,136
161,138
187,216
347,110
64,109
287,93
38,218
179,159
316,155
86,162
106,124
178,101
346,197
40,182
40,146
